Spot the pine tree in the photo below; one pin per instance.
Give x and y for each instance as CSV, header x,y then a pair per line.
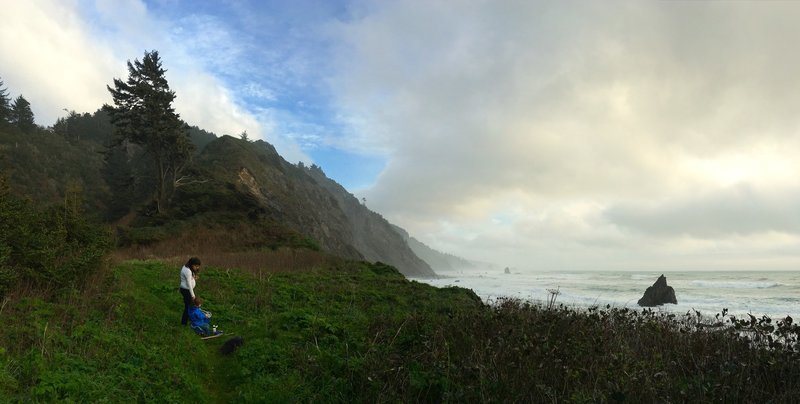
x,y
143,115
5,104
22,115
119,176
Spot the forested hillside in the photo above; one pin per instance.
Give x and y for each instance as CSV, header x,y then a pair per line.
x,y
135,166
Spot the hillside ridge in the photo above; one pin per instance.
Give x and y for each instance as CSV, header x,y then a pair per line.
x,y
235,179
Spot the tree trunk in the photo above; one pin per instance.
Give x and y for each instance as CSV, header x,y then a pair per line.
x,y
160,205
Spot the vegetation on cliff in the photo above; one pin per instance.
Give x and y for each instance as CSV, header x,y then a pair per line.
x,y
152,178
47,248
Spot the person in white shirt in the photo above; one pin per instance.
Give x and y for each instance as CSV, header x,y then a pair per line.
x,y
188,274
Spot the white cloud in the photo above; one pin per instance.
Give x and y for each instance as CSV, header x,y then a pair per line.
x,y
204,101
48,56
586,115
62,54
739,210
256,90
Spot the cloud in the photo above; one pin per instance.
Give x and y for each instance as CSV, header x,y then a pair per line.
x,y
642,111
256,90
48,56
62,54
739,210
205,102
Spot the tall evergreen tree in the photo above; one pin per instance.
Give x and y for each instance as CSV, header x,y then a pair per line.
x,y
143,115
5,104
22,115
119,176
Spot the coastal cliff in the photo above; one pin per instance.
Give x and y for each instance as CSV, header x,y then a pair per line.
x,y
307,201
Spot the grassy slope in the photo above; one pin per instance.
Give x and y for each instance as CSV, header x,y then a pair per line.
x,y
308,336
361,332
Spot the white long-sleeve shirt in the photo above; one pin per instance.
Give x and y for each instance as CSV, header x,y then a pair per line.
x,y
187,280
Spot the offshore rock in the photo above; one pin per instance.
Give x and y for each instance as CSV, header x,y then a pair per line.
x,y
658,294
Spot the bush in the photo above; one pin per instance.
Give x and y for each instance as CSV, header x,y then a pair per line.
x,y
46,247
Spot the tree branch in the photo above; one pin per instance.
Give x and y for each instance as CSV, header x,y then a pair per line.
x,y
187,180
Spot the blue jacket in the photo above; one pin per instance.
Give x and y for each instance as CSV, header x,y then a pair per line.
x,y
197,317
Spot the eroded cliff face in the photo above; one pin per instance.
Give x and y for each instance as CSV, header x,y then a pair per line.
x,y
372,235
249,182
309,202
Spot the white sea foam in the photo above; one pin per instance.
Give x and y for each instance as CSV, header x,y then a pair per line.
x,y
772,293
734,284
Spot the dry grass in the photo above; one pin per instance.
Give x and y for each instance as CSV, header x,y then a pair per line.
x,y
226,248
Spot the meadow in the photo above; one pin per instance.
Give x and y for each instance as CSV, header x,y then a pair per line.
x,y
344,331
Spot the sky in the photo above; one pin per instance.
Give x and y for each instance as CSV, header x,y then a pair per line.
x,y
538,135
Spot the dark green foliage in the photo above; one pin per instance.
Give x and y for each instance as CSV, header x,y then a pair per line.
x,y
22,115
200,138
95,127
42,165
143,115
515,351
48,248
118,174
5,105
212,196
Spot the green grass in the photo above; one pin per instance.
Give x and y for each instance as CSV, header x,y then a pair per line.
x,y
357,332
307,335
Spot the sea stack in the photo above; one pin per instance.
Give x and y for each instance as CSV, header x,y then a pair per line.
x,y
658,294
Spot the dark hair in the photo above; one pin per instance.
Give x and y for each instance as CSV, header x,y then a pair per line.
x,y
198,301
192,261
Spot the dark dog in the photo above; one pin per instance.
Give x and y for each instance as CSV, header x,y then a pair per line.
x,y
230,345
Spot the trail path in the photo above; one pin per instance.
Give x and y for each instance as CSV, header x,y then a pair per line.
x,y
218,375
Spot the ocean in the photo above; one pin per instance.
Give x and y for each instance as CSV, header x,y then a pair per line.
x,y
775,294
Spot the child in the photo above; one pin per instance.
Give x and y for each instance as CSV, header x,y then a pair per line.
x,y
200,320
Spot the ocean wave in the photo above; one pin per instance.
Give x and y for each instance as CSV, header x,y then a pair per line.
x,y
734,284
